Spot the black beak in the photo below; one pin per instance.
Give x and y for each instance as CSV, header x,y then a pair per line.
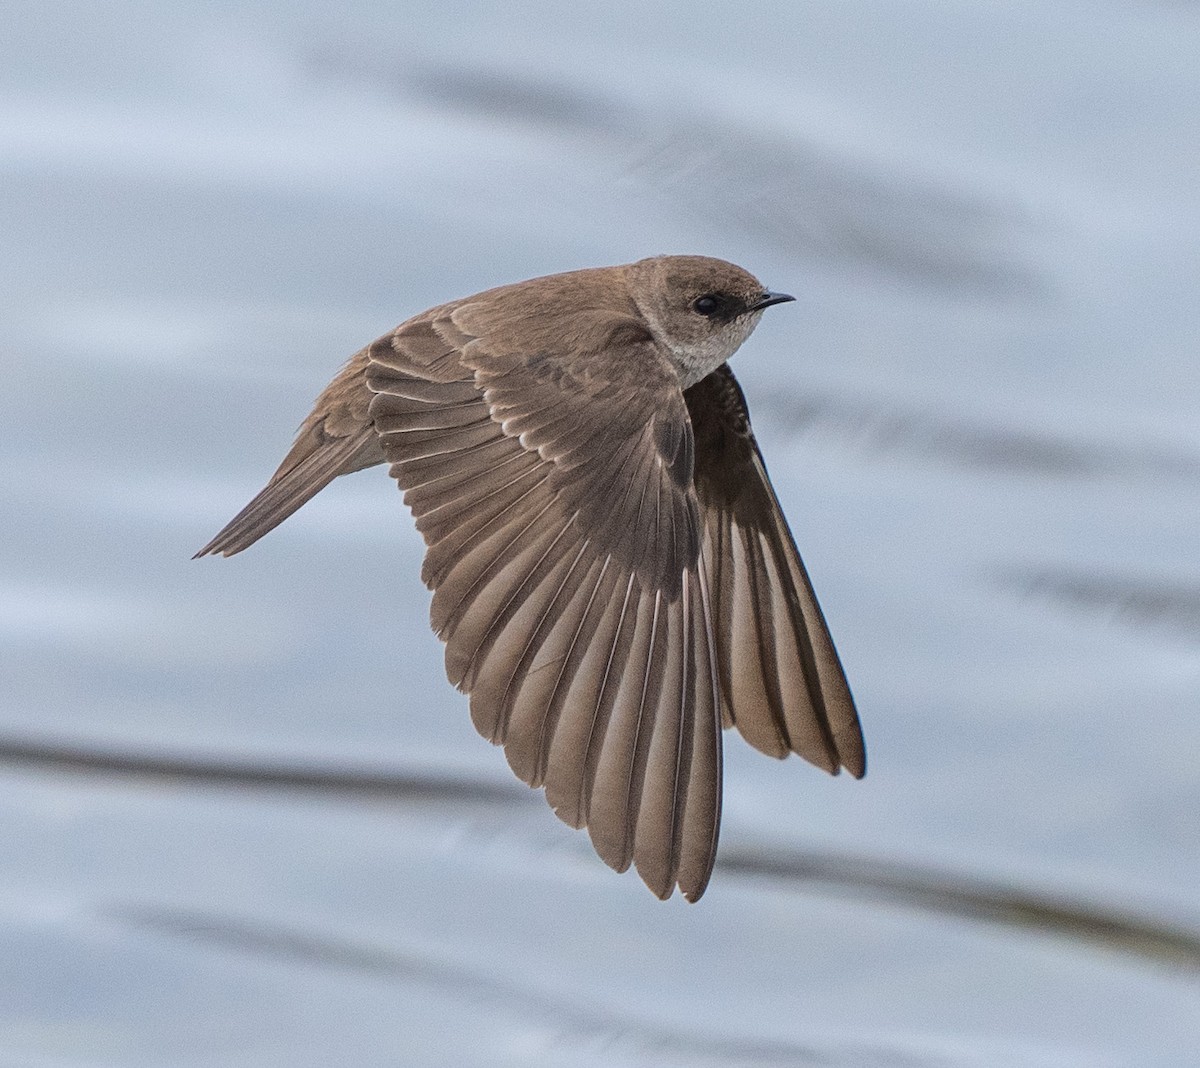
x,y
769,298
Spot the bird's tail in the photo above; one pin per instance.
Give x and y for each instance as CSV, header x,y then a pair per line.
x,y
308,469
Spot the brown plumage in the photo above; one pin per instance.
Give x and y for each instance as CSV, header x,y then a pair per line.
x,y
611,571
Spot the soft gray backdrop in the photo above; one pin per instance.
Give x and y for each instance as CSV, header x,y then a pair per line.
x,y
243,819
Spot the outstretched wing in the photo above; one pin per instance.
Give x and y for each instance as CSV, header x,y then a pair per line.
x,y
781,682
563,533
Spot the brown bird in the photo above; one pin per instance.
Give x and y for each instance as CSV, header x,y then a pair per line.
x,y
611,571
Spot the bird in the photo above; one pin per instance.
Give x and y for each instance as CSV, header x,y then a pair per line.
x,y
613,576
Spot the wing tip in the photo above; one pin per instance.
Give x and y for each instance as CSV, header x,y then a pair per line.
x,y
851,748
221,545
694,891
660,885
855,763
664,892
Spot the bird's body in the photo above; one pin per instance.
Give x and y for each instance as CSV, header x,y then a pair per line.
x,y
612,574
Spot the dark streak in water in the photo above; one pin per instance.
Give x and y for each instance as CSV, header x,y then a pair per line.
x,y
1165,606
880,428
927,889
392,785
797,194
616,1031
952,895
502,97
806,198
495,95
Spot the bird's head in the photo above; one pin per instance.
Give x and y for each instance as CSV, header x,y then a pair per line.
x,y
699,308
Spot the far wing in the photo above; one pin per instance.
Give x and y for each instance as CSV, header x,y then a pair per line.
x,y
782,684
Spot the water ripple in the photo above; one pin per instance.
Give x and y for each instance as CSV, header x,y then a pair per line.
x,y
1146,938
574,1023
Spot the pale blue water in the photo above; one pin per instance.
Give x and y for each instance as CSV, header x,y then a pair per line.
x,y
981,417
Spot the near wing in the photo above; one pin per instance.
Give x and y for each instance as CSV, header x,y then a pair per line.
x,y
563,536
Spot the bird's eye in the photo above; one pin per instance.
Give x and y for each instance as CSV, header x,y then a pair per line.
x,y
706,305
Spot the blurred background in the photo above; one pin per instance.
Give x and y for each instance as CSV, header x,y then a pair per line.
x,y
244,821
